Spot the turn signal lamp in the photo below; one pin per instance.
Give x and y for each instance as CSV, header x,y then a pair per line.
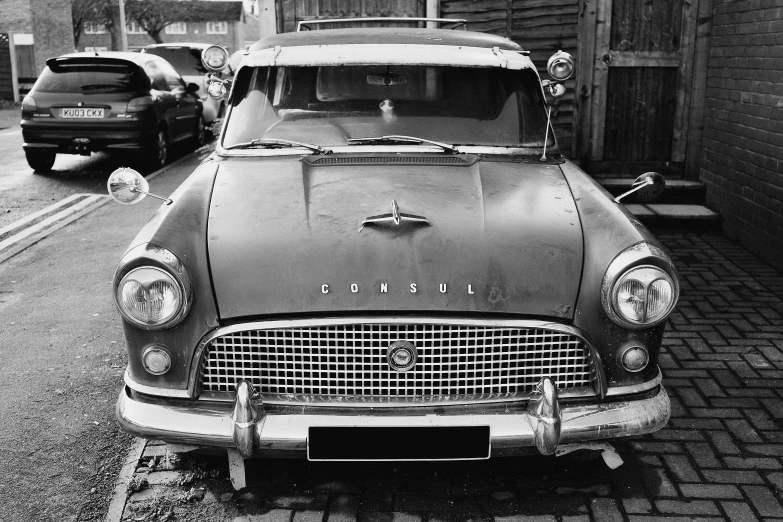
x,y
635,359
156,360
560,66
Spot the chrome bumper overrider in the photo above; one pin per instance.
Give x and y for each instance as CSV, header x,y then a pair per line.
x,y
253,432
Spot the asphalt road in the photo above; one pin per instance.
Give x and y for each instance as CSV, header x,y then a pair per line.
x,y
62,354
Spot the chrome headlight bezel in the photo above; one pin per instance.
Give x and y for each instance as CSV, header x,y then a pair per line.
x,y
158,260
642,256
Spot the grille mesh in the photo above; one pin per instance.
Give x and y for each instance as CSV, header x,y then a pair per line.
x,y
350,361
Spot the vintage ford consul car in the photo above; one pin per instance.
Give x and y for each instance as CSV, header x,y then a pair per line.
x,y
387,257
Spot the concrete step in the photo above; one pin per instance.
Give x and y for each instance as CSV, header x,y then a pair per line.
x,y
675,215
680,205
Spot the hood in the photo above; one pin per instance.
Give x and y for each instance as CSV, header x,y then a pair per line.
x,y
285,237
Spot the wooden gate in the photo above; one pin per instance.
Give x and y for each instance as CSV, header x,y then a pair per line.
x,y
6,71
290,12
634,84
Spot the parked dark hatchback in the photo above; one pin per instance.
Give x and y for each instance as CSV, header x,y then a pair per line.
x,y
114,102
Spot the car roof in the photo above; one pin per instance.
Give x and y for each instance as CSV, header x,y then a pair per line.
x,y
104,57
387,35
390,46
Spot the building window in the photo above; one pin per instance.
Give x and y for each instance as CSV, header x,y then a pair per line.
x,y
94,28
217,27
134,28
177,28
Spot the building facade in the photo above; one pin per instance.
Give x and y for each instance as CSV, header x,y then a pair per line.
x,y
217,22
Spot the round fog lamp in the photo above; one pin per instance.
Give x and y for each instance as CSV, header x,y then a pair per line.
x,y
560,66
156,360
635,359
214,58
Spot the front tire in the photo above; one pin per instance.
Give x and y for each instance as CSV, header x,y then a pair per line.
x,y
40,161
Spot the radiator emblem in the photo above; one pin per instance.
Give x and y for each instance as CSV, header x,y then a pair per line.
x,y
402,356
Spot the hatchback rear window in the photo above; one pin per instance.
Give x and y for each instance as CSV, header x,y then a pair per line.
x,y
92,78
185,60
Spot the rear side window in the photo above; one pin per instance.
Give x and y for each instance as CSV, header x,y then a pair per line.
x,y
186,61
92,78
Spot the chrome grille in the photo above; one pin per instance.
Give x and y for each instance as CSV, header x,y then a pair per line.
x,y
349,360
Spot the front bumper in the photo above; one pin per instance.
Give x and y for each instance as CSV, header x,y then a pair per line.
x,y
255,432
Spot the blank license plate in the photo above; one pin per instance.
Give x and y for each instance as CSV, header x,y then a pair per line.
x,y
81,113
398,443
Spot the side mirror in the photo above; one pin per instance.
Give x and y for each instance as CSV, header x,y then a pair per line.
x,y
192,88
648,187
126,186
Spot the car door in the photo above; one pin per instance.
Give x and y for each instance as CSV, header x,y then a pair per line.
x,y
187,102
165,100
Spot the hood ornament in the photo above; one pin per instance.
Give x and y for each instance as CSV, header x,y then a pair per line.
x,y
395,218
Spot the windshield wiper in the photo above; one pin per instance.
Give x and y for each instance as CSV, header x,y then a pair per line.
x,y
395,138
268,143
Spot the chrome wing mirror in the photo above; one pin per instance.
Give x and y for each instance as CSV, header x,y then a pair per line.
x,y
128,187
648,186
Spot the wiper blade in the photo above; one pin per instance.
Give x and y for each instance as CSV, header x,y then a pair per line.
x,y
95,86
396,138
268,143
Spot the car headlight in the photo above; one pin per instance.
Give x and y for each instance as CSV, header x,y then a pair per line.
x,y
643,295
640,287
151,297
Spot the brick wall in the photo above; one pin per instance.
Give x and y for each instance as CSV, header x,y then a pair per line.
x,y
742,147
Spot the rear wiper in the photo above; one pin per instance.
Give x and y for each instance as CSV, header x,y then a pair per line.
x,y
268,143
395,138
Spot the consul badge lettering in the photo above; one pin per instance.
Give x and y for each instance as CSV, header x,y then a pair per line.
x,y
412,288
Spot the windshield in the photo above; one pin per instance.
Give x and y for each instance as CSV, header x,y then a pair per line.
x,y
329,105
92,78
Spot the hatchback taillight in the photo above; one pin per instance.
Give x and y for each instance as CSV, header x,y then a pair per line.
x,y
139,104
29,105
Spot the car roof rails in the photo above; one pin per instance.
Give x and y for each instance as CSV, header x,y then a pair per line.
x,y
305,25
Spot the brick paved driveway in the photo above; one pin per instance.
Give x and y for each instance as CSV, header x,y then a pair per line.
x,y
718,459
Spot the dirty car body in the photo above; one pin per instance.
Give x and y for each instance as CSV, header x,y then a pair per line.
x,y
387,245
